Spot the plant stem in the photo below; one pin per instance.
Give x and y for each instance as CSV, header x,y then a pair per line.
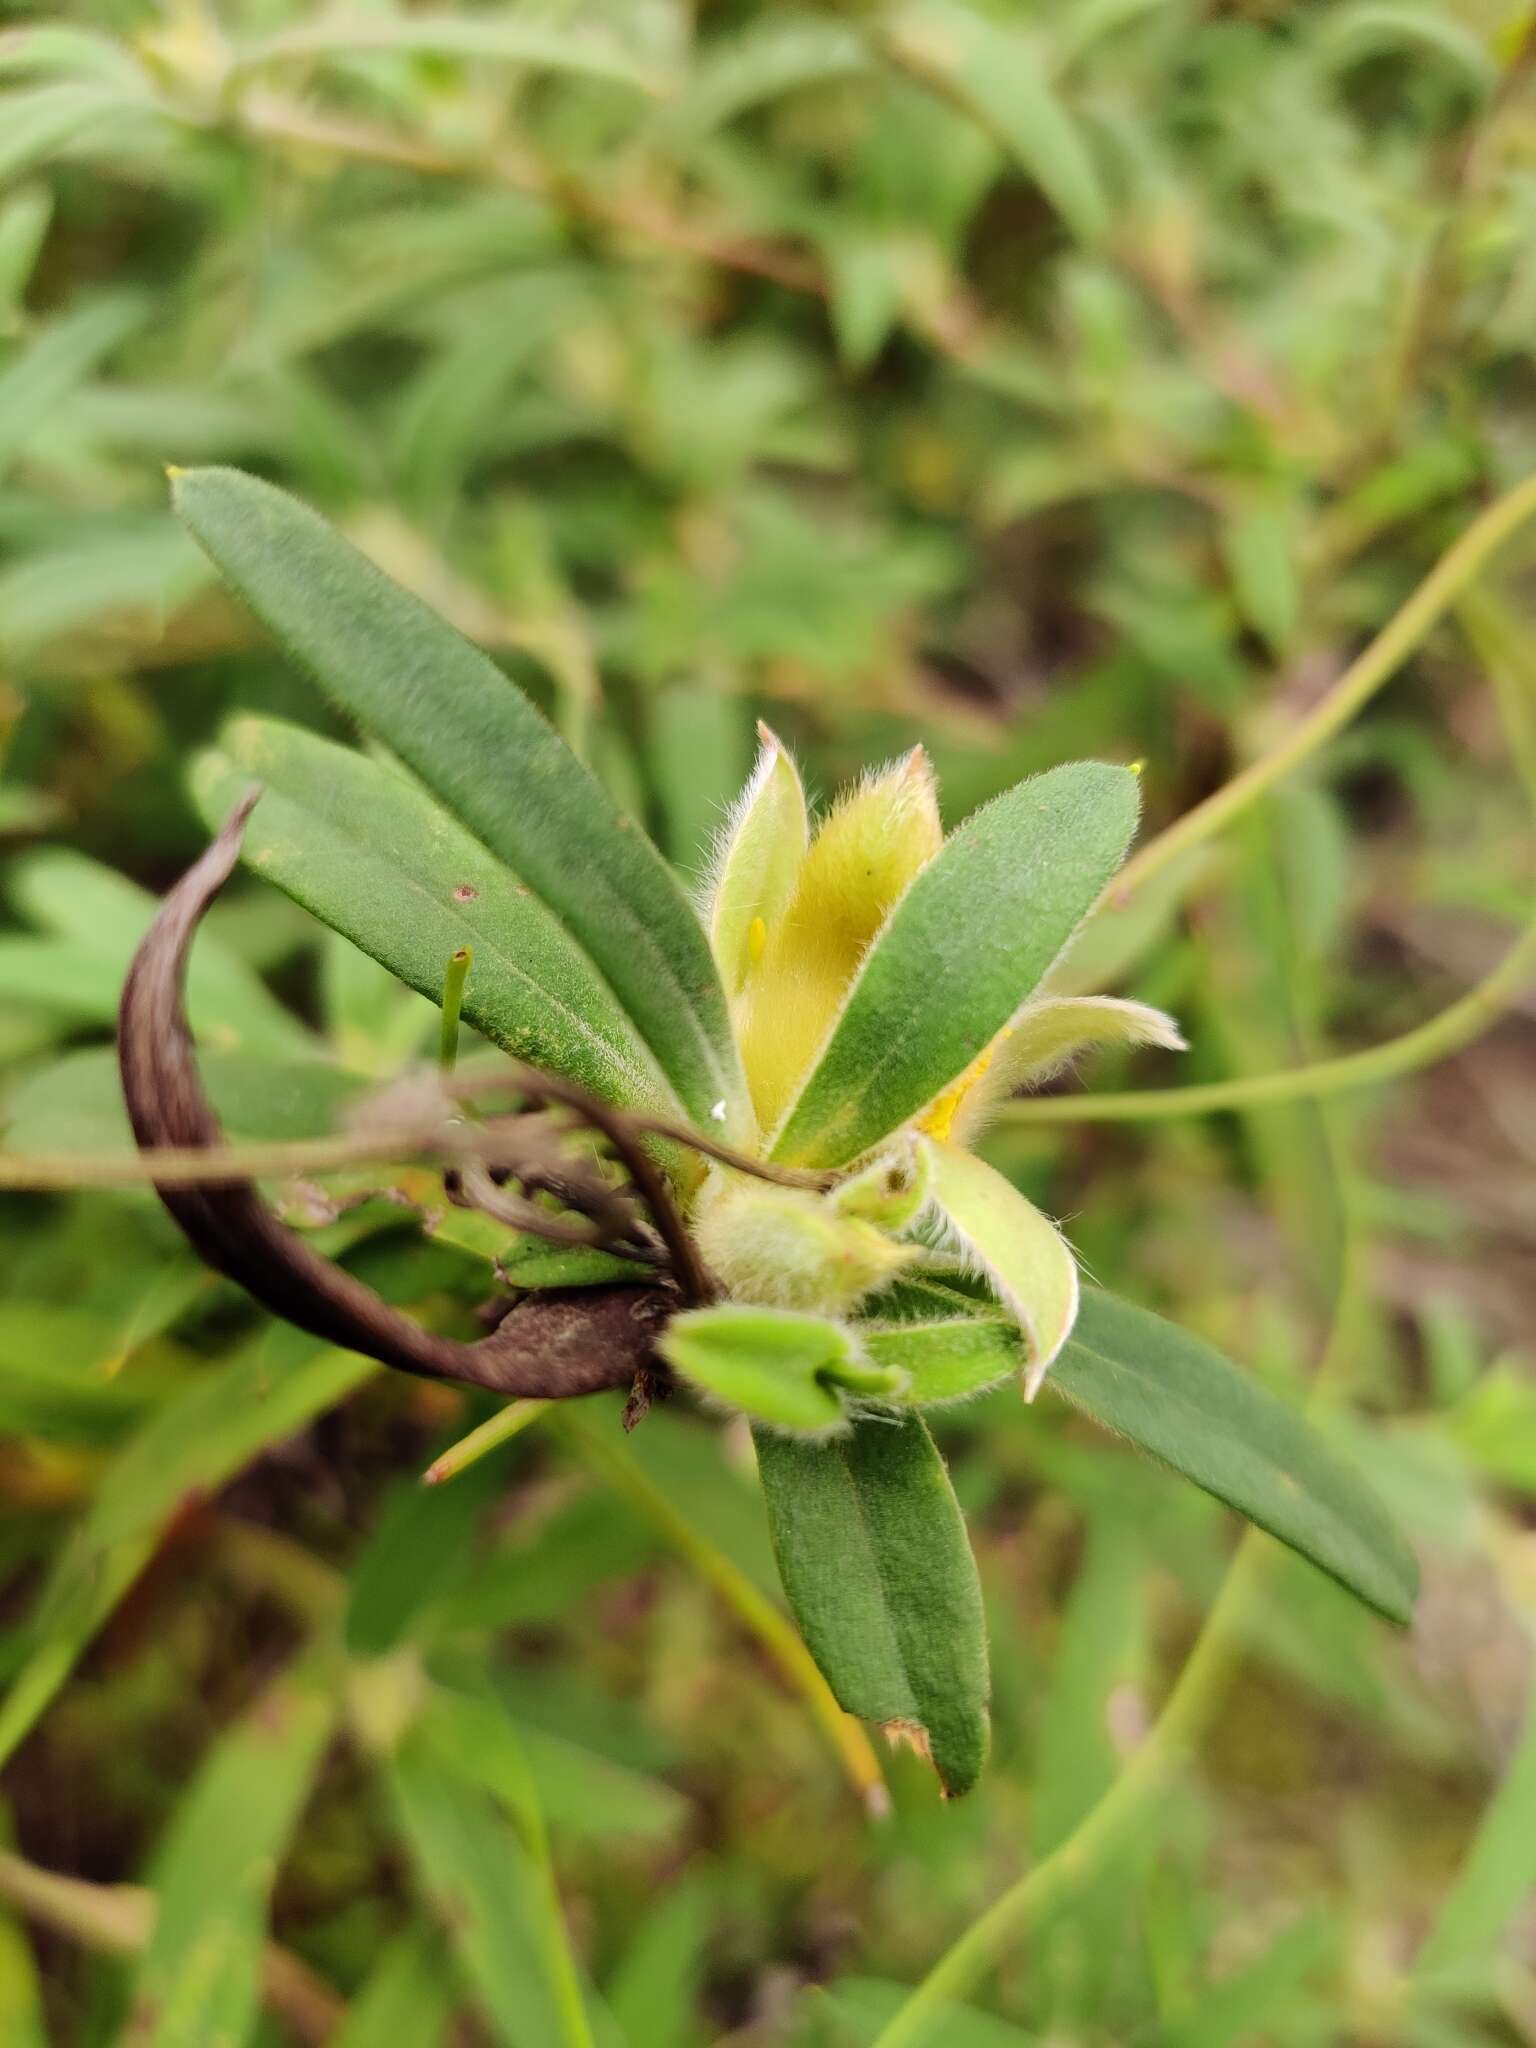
x,y
459,963
497,1430
202,1166
1058,1876
277,1159
1453,1028
559,1958
1370,670
1448,583
624,1472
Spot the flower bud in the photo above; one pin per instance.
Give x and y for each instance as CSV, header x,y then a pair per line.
x,y
788,1248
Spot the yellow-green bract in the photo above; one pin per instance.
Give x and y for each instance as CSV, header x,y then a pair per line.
x,y
780,1366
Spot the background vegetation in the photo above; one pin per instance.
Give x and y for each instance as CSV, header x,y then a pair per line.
x,y
1033,381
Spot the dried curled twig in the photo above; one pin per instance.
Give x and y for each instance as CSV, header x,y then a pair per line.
x,y
551,1345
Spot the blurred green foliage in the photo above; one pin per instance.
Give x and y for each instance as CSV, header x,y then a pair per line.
x,y
1035,382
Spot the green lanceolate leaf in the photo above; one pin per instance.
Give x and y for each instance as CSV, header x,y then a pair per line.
x,y
875,1561
200,1979
1150,1381
1172,1395
486,754
364,849
999,74
780,1366
34,384
963,949
541,44
1023,1255
481,1884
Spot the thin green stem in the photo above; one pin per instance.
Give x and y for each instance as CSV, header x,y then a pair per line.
x,y
196,1165
119,1919
459,963
499,1429
1453,1028
559,1959
1354,689
200,1165
1059,1876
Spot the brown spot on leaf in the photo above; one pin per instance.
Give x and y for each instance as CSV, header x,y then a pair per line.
x,y
465,893
905,1734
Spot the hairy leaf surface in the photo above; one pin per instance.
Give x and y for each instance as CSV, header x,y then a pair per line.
x,y
483,750
367,851
878,1569
964,947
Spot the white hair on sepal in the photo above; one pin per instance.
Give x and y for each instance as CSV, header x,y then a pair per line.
x,y
735,811
833,1433
944,1236
1108,1024
1039,1353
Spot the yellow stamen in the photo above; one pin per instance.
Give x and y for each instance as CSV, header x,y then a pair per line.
x,y
940,1120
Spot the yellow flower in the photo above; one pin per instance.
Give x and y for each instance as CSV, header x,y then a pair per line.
x,y
792,917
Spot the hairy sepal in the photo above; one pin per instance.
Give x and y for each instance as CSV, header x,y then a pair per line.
x,y
1044,1038
755,864
788,1247
788,1370
862,861
1022,1255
